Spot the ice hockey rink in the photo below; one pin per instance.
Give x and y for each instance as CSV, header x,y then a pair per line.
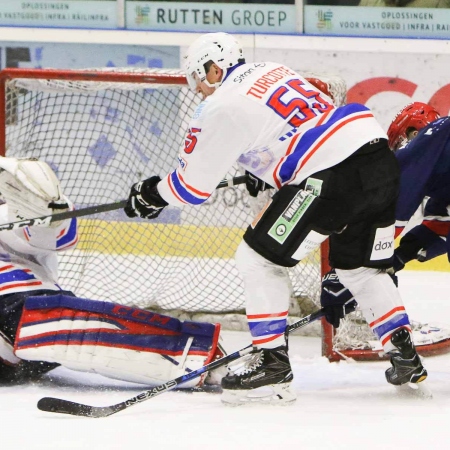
x,y
345,405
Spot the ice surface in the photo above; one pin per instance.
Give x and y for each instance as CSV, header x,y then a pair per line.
x,y
339,406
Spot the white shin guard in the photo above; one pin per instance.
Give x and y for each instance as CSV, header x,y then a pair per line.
x,y
379,301
267,292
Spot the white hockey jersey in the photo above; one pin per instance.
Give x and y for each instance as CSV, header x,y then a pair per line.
x,y
273,122
28,256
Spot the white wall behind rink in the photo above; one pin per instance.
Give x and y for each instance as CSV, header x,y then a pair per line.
x,y
250,41
383,73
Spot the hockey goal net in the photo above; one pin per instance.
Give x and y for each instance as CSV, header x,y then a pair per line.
x,y
101,131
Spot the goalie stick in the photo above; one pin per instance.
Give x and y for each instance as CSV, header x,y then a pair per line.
x,y
46,220
56,405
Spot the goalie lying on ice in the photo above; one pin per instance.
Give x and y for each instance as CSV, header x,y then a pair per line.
x,y
43,326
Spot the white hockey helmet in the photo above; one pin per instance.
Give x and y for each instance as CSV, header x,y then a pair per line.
x,y
220,48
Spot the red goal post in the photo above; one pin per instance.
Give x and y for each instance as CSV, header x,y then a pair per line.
x,y
104,129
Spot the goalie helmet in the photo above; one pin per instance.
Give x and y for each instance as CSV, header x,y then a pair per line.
x,y
220,48
321,85
415,115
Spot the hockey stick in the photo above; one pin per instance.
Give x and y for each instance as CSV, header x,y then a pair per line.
x,y
47,220
56,405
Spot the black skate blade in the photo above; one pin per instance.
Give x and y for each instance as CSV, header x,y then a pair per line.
x,y
57,405
414,390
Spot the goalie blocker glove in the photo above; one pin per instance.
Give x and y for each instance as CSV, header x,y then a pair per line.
x,y
333,298
144,200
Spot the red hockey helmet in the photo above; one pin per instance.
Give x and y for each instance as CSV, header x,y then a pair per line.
x,y
415,115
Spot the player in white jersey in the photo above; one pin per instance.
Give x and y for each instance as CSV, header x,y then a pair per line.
x,y
335,178
43,326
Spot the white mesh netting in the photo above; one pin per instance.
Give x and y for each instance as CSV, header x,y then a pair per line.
x,y
100,138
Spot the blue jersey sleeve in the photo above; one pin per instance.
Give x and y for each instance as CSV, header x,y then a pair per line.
x,y
425,168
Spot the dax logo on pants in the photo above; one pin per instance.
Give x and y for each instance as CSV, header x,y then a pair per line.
x,y
284,225
383,245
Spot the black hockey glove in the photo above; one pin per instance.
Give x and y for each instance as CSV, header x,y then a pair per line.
x,y
334,298
254,185
144,200
421,244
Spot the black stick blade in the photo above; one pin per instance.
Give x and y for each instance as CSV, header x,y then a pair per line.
x,y
57,405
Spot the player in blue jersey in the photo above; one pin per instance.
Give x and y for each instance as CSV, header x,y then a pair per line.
x,y
335,177
420,140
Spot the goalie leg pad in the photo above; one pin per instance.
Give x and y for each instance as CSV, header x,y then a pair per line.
x,y
15,370
379,301
117,341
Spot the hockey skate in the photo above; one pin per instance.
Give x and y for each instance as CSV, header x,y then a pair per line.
x,y
407,370
264,377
